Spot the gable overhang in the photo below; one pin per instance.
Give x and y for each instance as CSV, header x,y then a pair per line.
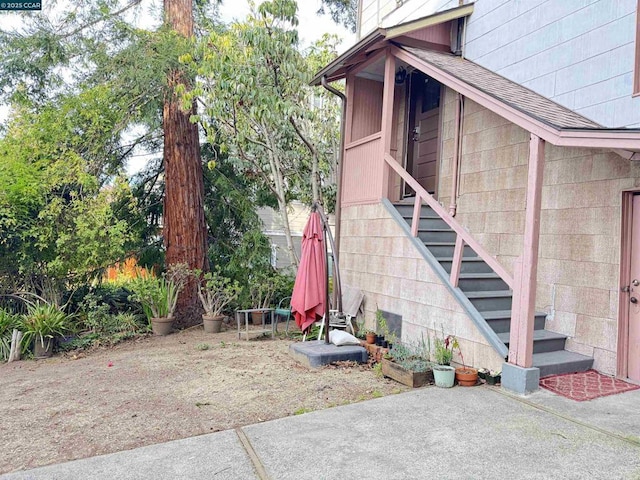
x,y
380,38
626,141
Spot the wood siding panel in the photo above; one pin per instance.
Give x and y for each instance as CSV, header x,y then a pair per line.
x,y
362,175
367,108
440,34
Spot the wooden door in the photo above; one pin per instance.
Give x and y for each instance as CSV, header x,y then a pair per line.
x,y
633,352
423,141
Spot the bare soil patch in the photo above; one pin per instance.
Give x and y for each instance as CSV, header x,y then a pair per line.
x,y
158,389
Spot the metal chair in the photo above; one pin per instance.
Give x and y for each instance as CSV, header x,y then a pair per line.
x,y
283,310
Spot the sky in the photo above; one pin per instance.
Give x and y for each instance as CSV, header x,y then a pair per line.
x,y
311,27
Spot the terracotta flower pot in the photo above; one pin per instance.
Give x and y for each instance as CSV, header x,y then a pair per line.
x,y
371,338
161,326
212,324
466,376
256,317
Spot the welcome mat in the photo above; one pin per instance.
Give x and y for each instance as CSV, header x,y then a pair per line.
x,y
585,385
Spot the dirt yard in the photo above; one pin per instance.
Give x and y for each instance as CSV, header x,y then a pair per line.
x,y
157,389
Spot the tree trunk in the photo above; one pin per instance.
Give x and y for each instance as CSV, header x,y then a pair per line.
x,y
184,230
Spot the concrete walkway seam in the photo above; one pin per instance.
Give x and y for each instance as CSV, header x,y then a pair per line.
x,y
631,440
257,464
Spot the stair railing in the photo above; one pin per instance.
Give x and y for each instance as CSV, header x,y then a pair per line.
x,y
463,237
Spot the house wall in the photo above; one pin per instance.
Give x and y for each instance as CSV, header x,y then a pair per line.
x,y
579,53
580,221
367,108
385,13
377,257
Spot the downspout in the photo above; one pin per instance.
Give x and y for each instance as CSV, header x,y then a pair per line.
x,y
457,140
343,119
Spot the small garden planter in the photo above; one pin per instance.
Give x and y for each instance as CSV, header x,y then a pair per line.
x,y
466,376
444,376
256,317
161,326
492,379
404,376
212,324
371,338
43,348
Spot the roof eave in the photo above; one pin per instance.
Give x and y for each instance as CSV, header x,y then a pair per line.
x,y
592,138
330,71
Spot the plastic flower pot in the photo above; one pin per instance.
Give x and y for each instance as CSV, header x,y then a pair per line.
x,y
444,375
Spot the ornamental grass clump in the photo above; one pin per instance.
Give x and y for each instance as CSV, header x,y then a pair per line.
x,y
412,356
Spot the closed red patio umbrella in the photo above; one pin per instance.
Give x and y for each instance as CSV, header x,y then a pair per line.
x,y
308,300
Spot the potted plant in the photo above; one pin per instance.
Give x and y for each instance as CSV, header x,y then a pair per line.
x,y
371,336
409,364
159,296
493,377
444,374
261,290
42,323
215,292
466,376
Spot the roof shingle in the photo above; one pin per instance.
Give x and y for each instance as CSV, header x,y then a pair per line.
x,y
504,90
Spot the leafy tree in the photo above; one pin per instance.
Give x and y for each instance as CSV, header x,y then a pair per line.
x,y
252,83
57,216
344,12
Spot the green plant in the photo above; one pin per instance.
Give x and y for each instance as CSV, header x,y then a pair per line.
x,y
414,357
444,348
8,322
383,327
203,346
44,320
159,295
261,289
215,291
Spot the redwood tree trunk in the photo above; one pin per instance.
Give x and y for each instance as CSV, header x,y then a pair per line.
x,y
184,231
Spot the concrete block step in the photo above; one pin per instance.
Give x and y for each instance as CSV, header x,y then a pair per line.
x,y
543,341
500,320
481,282
469,265
490,300
555,363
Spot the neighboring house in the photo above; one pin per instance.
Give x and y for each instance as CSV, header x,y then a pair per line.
x,y
273,228
512,121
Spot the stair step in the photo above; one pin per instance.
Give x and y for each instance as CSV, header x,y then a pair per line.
x,y
445,249
406,209
555,363
490,300
469,265
428,222
441,235
500,320
481,282
543,341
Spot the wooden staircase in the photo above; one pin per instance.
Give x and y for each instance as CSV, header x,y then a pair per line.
x,y
489,295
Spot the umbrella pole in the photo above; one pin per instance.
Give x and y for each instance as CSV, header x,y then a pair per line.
x,y
325,226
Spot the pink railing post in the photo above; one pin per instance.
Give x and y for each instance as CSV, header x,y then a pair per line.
x,y
415,222
515,346
456,264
